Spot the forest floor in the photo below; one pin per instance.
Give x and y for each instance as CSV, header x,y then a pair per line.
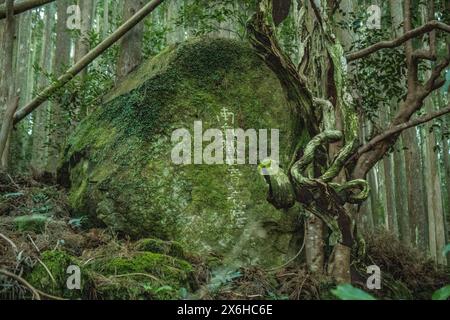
x,y
38,239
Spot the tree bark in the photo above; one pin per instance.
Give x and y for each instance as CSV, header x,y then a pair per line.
x,y
7,86
416,201
82,45
130,51
5,131
20,139
434,195
400,195
105,25
39,154
314,244
58,115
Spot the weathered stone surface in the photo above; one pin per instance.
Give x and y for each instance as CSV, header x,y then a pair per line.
x,y
118,163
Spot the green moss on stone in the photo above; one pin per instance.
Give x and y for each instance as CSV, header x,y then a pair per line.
x,y
170,248
55,284
35,223
119,162
144,275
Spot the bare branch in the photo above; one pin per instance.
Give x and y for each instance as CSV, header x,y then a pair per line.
x,y
399,128
33,290
430,26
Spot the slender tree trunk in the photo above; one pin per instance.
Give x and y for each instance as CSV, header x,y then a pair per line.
x,y
82,46
1,31
371,215
82,43
58,116
413,164
105,25
314,244
400,195
388,171
130,52
435,206
7,87
446,172
416,207
19,137
41,115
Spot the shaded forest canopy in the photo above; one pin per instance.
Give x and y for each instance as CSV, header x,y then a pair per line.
x,y
92,93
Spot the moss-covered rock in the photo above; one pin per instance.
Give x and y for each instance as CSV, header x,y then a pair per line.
x,y
144,275
118,163
51,275
170,248
35,223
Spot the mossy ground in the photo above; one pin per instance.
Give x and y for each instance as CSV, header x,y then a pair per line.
x,y
149,268
50,275
35,223
140,275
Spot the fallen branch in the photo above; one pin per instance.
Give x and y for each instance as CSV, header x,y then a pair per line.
x,y
50,296
13,245
86,60
33,290
47,270
137,274
430,26
23,6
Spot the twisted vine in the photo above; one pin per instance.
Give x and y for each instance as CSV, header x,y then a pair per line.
x,y
320,195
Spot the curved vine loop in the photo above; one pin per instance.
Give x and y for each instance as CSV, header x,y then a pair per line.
x,y
354,191
321,196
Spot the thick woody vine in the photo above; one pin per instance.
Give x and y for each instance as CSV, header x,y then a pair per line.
x,y
327,188
311,179
319,195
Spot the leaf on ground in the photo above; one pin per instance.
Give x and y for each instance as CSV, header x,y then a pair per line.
x,y
349,292
442,294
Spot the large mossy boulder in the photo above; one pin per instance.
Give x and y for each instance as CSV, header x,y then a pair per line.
x,y
118,162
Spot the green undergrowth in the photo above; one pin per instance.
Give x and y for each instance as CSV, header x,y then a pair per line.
x,y
50,275
148,269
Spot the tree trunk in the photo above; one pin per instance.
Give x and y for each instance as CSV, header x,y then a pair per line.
x,y
400,195
314,244
82,46
7,86
446,173
416,203
105,24
19,139
389,186
82,43
130,51
58,116
434,194
5,131
41,116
